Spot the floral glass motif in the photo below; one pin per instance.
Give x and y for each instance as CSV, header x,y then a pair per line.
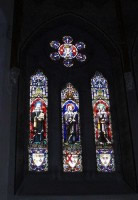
x,y
67,51
38,137
102,124
71,138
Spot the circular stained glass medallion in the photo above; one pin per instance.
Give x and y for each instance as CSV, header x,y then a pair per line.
x,y
67,51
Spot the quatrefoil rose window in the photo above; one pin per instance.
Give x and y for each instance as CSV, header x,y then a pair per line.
x,y
67,51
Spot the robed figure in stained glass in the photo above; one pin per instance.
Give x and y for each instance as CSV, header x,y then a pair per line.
x,y
38,120
71,123
102,123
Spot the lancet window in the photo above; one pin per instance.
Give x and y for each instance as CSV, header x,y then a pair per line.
x,y
71,136
102,124
38,135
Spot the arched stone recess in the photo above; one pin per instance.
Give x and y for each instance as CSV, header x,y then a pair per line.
x,y
103,56
68,22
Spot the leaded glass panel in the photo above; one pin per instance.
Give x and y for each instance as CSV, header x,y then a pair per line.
x,y
102,124
71,136
38,136
67,51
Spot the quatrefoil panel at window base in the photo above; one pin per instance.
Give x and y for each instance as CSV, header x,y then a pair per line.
x,y
67,51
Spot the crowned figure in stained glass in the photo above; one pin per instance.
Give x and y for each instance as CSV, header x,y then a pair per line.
x,y
67,51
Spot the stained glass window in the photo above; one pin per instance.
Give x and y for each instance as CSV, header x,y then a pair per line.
x,y
38,136
67,51
102,124
71,136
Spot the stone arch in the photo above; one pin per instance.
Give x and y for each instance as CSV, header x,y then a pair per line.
x,y
72,20
37,44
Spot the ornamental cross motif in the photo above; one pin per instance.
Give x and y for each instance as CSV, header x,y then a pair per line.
x,y
67,51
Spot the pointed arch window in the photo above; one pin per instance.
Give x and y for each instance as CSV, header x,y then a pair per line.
x,y
38,136
71,136
102,124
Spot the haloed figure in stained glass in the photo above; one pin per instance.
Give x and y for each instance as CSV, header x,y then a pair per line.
x,y
71,123
37,118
